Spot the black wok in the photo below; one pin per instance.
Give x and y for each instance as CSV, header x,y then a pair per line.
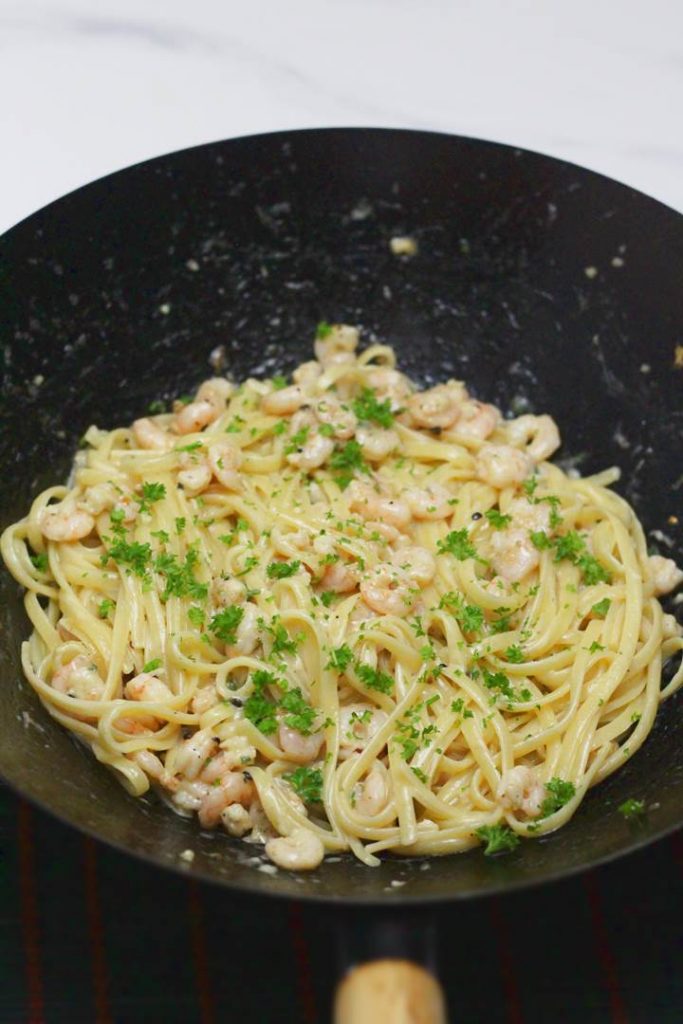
x,y
544,285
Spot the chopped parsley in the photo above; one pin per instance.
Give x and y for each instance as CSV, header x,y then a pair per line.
x,y
498,838
257,708
559,793
412,734
502,623
196,615
224,624
151,492
283,643
235,425
497,519
458,544
469,616
632,808
345,461
458,708
279,382
323,330
374,679
367,407
601,607
419,773
499,683
540,539
190,447
134,556
515,654
297,440
281,570
340,658
301,716
569,545
327,597
529,486
592,571
572,546
180,577
307,782
40,561
105,607
153,665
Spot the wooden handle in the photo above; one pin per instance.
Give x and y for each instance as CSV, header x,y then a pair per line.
x,y
389,992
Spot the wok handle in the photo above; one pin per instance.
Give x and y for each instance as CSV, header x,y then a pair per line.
x,y
388,968
391,991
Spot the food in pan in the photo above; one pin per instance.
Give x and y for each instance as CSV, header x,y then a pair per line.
x,y
341,613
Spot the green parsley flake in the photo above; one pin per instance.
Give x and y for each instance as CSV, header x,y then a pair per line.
x,y
632,808
180,578
151,492
498,838
345,461
297,440
257,708
601,607
224,624
559,793
469,616
196,615
497,519
367,407
283,643
515,654
307,782
279,382
458,544
134,556
374,679
540,539
569,545
420,774
323,330
281,570
40,561
152,665
340,658
105,607
301,716
235,425
458,708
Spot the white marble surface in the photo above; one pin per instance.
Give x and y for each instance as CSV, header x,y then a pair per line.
x,y
89,86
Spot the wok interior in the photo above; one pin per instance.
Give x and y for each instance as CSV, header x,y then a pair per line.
x,y
117,295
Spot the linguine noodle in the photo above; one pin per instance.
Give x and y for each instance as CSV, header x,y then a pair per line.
x,y
342,614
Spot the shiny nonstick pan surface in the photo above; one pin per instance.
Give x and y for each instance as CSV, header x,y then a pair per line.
x,y
543,285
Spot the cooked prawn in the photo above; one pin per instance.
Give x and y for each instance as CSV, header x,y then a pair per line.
x,y
501,465
520,790
538,436
65,522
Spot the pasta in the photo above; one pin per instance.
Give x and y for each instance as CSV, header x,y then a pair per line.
x,y
340,613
